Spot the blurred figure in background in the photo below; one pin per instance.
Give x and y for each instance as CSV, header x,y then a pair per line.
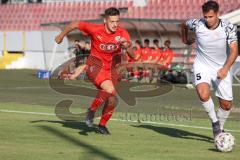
x,y
155,57
146,51
167,55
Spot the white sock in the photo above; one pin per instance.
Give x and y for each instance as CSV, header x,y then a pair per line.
x,y
222,116
209,108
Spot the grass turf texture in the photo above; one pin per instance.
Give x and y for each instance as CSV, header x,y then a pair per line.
x,y
35,136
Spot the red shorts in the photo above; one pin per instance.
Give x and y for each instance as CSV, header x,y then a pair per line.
x,y
97,74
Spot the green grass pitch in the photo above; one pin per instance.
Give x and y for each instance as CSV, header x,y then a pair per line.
x,y
29,128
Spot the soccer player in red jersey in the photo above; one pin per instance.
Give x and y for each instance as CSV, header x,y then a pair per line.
x,y
167,55
108,39
156,51
155,57
146,51
138,51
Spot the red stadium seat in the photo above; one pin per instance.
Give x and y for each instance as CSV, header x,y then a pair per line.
x,y
85,10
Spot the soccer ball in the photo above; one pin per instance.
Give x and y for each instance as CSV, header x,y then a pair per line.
x,y
224,142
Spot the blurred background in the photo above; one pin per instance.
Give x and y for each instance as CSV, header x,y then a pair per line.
x,y
28,28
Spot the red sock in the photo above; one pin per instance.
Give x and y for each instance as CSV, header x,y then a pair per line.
x,y
106,114
101,97
96,103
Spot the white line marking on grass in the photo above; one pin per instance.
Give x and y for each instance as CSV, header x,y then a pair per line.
x,y
40,87
172,124
23,112
113,119
20,88
43,87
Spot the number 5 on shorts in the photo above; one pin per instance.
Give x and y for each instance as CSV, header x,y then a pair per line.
x,y
198,76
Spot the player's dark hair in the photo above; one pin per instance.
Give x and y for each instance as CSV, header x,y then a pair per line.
x,y
167,42
146,41
210,5
138,42
111,12
155,41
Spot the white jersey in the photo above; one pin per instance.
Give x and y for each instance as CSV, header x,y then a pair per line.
x,y
212,45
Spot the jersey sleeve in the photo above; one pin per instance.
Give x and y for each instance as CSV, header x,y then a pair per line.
x,y
231,33
192,24
87,28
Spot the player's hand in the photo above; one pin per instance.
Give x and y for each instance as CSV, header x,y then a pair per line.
x,y
72,76
64,76
77,72
189,41
222,73
124,43
59,39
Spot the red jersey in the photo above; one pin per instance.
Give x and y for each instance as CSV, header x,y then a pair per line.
x,y
104,45
155,53
138,54
146,53
168,56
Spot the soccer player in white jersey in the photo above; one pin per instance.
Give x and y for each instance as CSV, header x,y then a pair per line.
x,y
217,49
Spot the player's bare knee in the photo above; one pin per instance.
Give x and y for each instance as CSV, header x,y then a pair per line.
x,y
204,97
226,105
112,101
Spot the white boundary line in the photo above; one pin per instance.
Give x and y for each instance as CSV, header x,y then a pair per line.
x,y
40,87
23,112
172,124
113,119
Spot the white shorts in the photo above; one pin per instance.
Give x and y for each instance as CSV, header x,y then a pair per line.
x,y
223,88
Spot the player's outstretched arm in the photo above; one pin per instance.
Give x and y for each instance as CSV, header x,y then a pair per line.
x,y
77,71
131,53
128,47
222,73
71,26
184,31
233,54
